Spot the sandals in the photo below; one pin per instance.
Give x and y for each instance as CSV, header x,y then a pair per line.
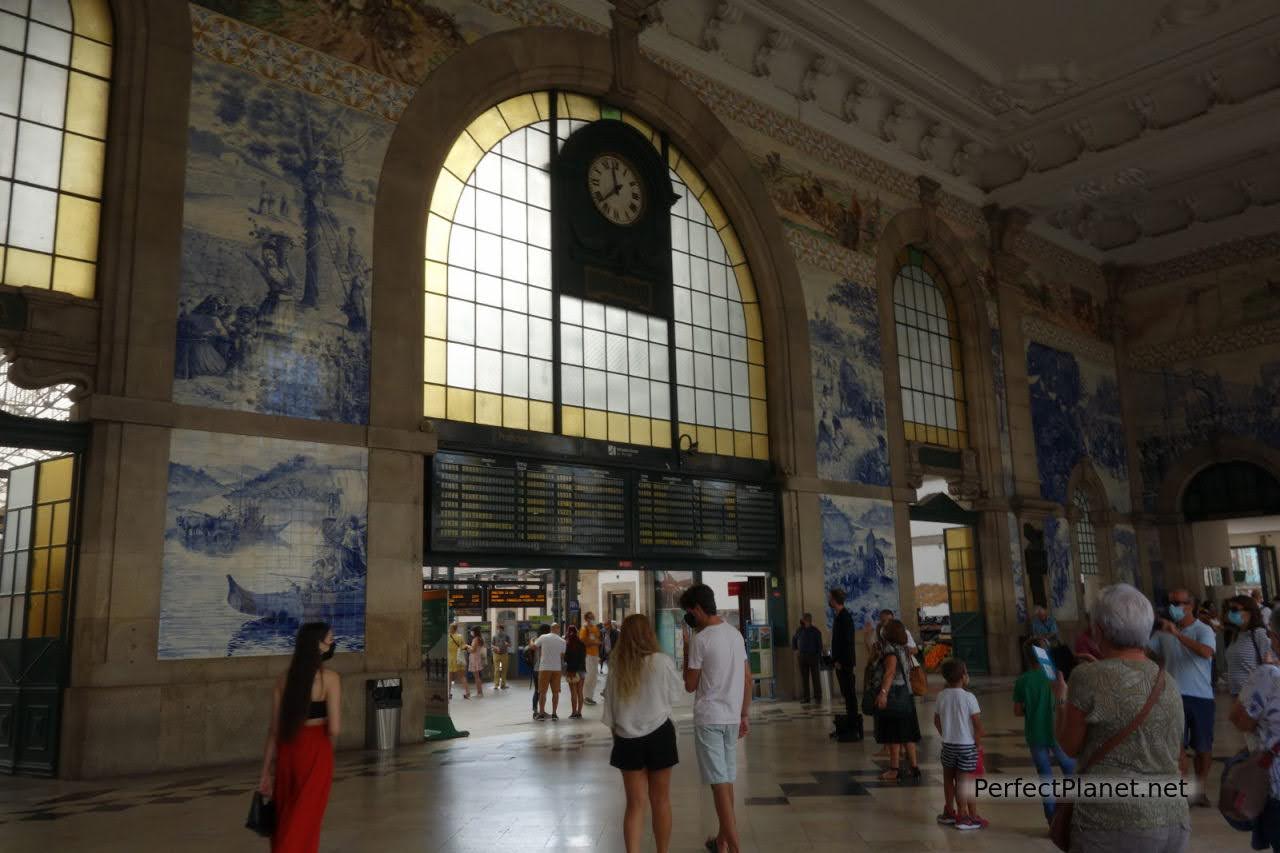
x,y
890,775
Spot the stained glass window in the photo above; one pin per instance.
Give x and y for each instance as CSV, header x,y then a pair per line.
x,y
489,322
929,367
1086,535
55,67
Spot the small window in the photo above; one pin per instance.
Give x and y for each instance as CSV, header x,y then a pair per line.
x,y
1086,535
929,366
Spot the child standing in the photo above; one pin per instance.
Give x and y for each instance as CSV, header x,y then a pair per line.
x,y
958,721
1033,700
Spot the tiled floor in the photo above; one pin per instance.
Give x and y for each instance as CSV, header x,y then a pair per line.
x,y
516,785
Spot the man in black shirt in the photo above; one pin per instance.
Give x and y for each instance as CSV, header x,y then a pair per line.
x,y
807,644
845,659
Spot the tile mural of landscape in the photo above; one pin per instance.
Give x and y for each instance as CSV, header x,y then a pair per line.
x,y
859,556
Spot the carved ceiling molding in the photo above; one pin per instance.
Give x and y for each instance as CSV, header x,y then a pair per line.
x,y
1082,346
824,253
1243,251
1237,339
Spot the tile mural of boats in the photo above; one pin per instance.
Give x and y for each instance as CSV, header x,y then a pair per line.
x,y
261,535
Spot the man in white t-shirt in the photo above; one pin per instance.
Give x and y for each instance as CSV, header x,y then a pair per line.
x,y
550,651
717,671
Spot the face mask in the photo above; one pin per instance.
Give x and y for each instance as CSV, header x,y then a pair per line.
x,y
691,621
328,654
1176,613
1235,617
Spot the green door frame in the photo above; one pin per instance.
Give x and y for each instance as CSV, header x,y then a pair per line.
x,y
968,630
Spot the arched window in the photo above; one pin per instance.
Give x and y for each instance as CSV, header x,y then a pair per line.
x,y
505,348
1086,534
929,366
55,65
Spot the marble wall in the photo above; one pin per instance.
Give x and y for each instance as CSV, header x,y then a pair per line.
x,y
261,535
859,555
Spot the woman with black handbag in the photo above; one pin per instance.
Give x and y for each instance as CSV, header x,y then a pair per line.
x,y
297,769
894,709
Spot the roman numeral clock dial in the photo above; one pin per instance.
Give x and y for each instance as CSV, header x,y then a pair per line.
x,y
616,189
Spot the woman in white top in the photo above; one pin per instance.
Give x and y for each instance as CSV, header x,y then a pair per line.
x,y
643,684
1250,648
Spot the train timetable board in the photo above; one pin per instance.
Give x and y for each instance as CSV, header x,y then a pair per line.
x,y
485,504
713,519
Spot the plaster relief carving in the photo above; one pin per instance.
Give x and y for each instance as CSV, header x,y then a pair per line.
x,y
724,18
775,42
819,68
965,156
1183,13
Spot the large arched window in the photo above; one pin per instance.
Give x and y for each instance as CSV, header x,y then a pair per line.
x,y
504,348
55,64
929,366
1086,534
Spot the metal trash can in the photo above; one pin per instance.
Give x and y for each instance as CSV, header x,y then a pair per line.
x,y
382,713
826,668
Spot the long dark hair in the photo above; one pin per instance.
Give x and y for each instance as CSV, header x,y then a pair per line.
x,y
296,701
572,642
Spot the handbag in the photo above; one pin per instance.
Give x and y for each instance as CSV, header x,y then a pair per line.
x,y
1246,785
919,682
898,702
460,656
1060,827
262,815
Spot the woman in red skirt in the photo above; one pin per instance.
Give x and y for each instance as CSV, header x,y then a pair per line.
x,y
297,770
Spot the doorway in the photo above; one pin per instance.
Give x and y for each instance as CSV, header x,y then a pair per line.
x,y
945,554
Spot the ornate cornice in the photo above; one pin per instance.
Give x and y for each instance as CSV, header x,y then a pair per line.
x,y
821,252
1243,251
1090,349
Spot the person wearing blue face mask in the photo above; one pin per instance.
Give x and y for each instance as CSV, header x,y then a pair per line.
x,y
1186,644
1250,648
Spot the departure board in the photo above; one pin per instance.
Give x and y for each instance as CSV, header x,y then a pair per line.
x,y
496,505
716,519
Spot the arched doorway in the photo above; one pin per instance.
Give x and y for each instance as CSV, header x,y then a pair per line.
x,y
1240,500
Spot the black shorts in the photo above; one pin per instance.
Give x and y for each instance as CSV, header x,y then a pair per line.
x,y
654,751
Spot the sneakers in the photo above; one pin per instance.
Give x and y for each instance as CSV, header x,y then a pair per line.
x,y
947,818
965,824
542,718
575,716
589,701
555,718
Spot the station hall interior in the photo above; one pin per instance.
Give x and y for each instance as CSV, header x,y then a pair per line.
x,y
406,314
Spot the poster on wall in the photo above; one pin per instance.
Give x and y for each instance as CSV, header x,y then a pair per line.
x,y
261,535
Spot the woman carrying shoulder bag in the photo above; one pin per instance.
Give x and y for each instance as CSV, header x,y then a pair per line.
x,y
643,685
894,711
297,769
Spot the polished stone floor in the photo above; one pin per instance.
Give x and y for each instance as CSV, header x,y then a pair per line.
x,y
517,785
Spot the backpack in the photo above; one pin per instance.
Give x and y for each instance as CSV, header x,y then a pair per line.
x,y
1246,785
527,654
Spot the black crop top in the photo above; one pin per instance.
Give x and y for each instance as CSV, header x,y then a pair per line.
x,y
318,711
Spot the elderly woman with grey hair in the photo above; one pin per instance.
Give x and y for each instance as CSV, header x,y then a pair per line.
x,y
1102,701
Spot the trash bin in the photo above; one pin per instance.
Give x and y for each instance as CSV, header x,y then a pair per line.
x,y
825,669
382,713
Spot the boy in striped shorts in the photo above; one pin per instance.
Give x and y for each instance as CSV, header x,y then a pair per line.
x,y
959,722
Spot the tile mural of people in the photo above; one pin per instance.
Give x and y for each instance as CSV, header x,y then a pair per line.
x,y
274,298
859,556
848,386
851,216
261,535
1125,556
1062,588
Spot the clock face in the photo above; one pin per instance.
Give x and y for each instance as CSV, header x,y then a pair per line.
x,y
616,189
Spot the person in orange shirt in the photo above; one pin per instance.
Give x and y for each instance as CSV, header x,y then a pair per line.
x,y
590,635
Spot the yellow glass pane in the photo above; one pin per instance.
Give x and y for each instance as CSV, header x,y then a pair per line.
x,y
690,176
755,352
57,568
582,107
755,375
751,313
732,247
487,130
433,361
715,212
957,537
759,416
87,105
572,421
38,574
35,616
596,424
44,524
618,427
641,430
27,269
489,409
55,479
438,238
75,278
77,228
91,57
433,401
82,160
437,277
463,157
660,434
61,523
641,125
724,442
542,100
519,111
53,615
742,444
746,284
434,315
515,413
760,446
706,439
541,416
460,405
444,198
92,18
